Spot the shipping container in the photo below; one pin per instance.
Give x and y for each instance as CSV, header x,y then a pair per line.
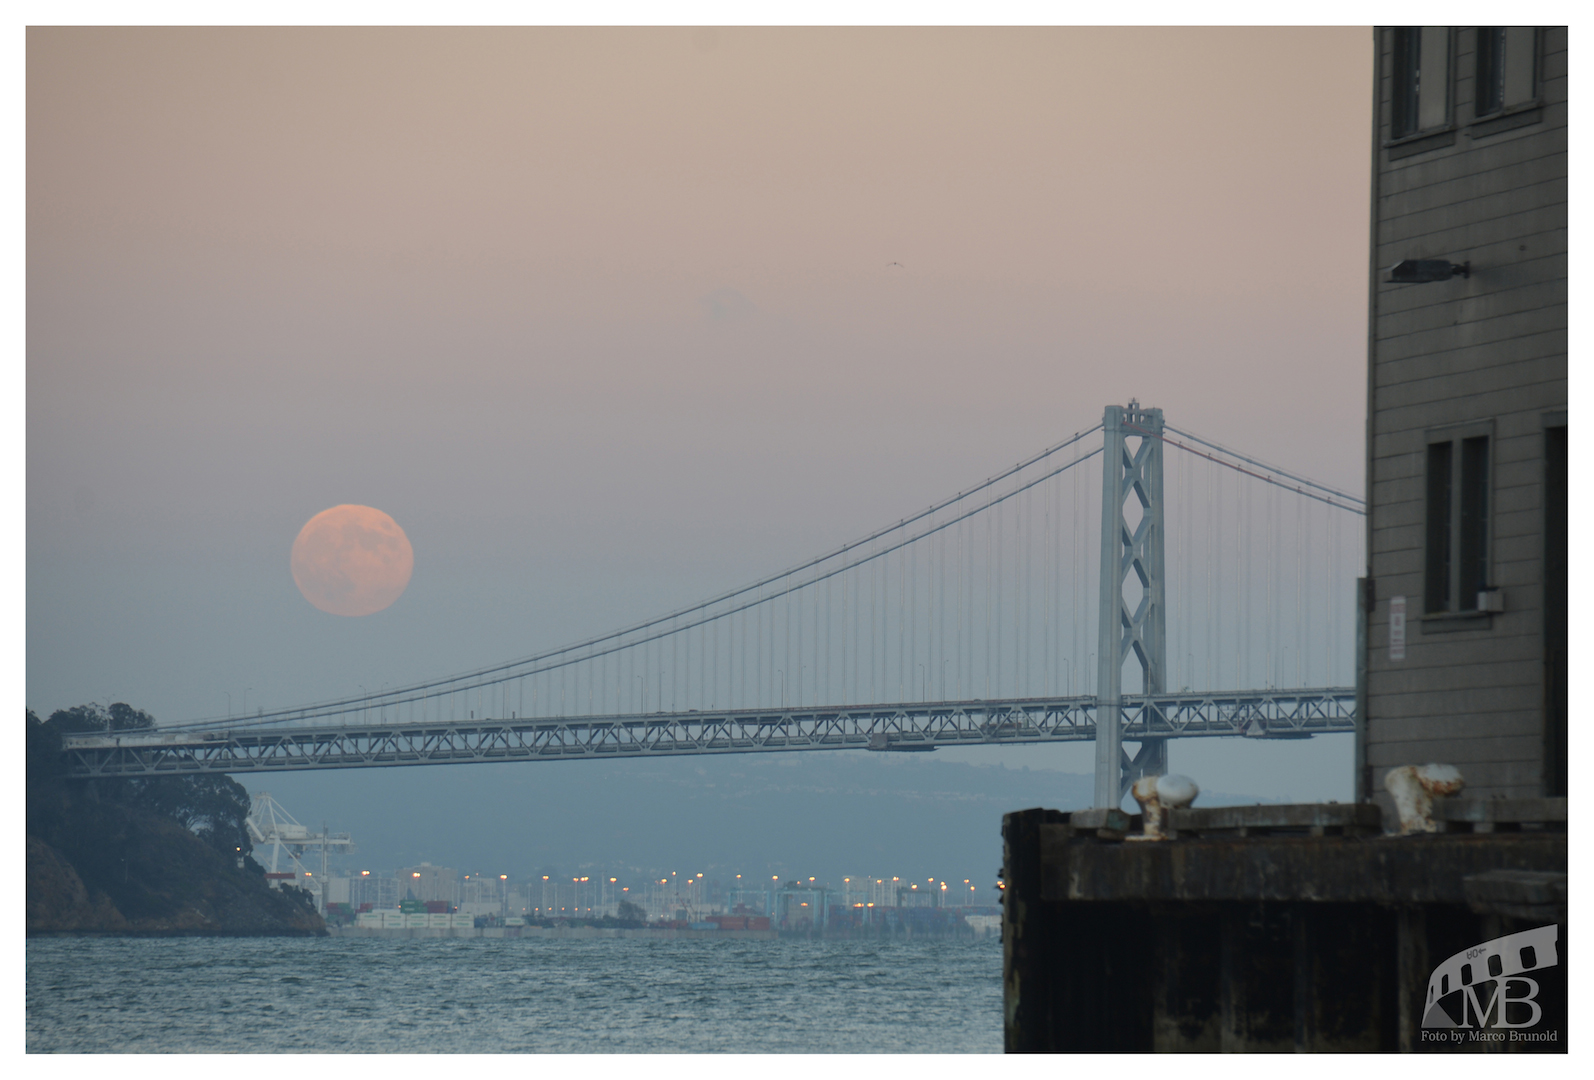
x,y
394,920
436,920
416,921
462,922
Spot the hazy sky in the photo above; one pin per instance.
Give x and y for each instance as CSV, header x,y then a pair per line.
x,y
604,318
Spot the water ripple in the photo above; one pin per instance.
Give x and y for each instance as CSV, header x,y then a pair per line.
x,y
371,995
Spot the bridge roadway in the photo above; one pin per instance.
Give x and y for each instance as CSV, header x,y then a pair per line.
x,y
1287,714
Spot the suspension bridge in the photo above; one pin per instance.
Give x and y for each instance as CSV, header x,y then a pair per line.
x,y
1037,606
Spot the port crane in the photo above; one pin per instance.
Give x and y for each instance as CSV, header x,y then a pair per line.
x,y
270,825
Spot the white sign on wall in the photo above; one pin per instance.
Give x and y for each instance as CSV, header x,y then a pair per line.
x,y
1397,628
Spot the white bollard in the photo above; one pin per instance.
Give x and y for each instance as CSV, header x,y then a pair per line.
x,y
1415,787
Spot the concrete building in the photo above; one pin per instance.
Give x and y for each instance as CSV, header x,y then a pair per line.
x,y
481,894
428,882
1466,409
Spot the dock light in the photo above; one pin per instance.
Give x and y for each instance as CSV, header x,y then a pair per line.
x,y
416,874
365,873
1422,271
503,877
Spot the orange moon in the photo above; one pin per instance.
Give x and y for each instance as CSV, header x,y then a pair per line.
x,y
352,560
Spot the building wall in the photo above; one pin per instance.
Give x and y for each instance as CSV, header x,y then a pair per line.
x,y
428,882
1470,691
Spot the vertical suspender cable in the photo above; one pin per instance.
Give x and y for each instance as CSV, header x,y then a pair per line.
x,y
1243,584
1330,653
1022,640
989,529
1272,590
1047,551
874,630
1300,598
1001,590
1239,569
937,602
1207,544
959,628
1073,589
912,618
902,624
846,609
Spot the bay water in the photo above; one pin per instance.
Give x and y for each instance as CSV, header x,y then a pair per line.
x,y
595,995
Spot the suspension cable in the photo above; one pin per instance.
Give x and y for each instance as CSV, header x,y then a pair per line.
x,y
508,670
1336,492
1349,502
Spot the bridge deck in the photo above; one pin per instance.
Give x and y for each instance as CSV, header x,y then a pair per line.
x,y
918,726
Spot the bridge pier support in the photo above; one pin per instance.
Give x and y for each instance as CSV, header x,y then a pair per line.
x,y
1132,532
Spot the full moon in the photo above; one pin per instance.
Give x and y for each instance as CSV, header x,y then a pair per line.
x,y
352,560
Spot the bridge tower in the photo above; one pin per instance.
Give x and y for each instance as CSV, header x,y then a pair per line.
x,y
1131,542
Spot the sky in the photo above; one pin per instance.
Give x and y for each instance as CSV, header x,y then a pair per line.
x,y
607,320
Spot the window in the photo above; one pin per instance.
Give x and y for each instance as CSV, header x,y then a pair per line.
x,y
1421,79
1507,68
1456,567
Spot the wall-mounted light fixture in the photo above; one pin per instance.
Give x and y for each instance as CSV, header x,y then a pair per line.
x,y
1419,271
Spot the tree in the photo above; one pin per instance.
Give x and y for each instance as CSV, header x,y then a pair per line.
x,y
212,807
43,750
124,717
629,912
79,720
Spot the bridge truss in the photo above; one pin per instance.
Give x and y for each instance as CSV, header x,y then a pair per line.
x,y
1282,714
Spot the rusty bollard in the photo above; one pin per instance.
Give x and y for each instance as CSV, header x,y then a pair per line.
x,y
1415,787
1156,796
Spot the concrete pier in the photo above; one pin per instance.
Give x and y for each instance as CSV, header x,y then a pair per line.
x,y
1264,928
